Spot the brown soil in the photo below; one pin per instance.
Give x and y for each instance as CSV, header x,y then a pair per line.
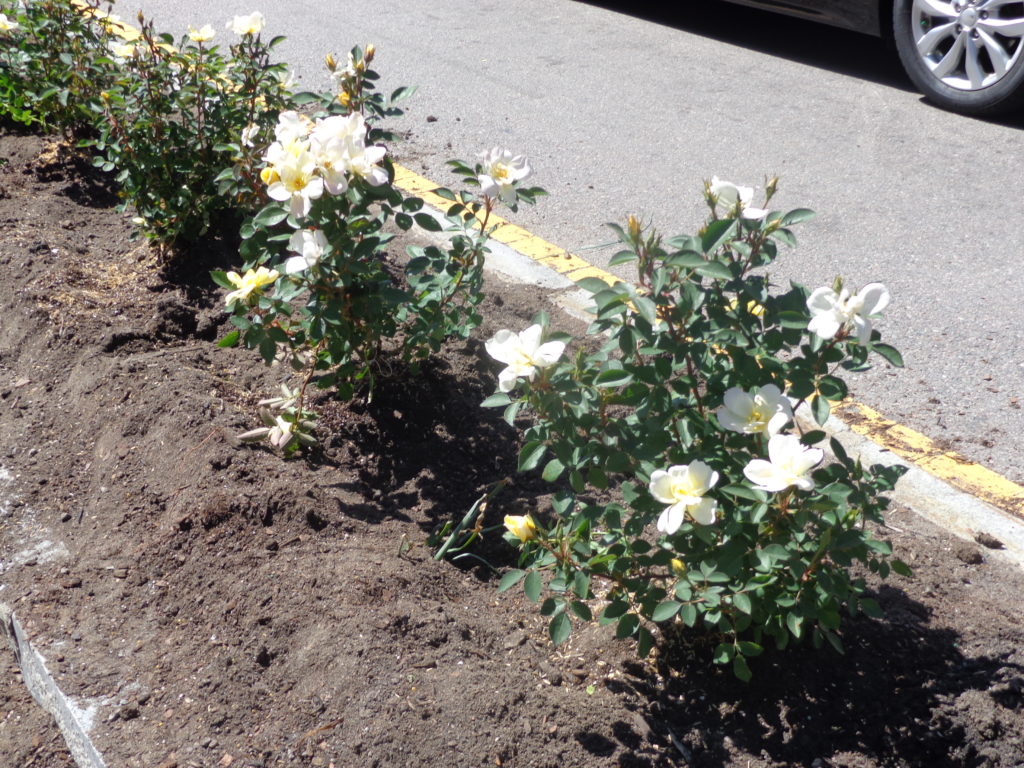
x,y
220,606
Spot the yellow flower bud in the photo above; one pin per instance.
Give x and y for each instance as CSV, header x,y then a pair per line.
x,y
331,63
268,175
521,526
345,99
678,566
633,226
370,50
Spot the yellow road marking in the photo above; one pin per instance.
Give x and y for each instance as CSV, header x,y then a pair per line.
x,y
517,238
947,465
906,443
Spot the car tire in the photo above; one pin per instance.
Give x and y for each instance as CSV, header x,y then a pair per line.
x,y
964,55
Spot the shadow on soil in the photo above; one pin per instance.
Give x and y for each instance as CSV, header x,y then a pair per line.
x,y
806,708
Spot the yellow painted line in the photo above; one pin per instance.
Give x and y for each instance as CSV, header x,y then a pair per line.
x,y
517,238
947,465
906,443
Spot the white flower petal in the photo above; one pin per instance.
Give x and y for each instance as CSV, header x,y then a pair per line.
x,y
822,300
764,475
507,380
671,518
875,298
704,512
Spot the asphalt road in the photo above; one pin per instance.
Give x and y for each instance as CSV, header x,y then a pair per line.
x,y
622,114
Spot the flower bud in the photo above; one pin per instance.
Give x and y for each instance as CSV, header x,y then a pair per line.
x,y
678,567
633,227
521,526
330,62
370,50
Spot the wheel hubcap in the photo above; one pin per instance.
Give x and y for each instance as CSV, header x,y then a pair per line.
x,y
969,45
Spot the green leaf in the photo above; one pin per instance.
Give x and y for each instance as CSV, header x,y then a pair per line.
x,y
627,626
745,492
615,377
530,455
795,624
741,600
645,642
889,353
560,628
790,318
532,586
717,234
497,400
724,653
271,214
581,585
622,257
871,608
553,470
614,610
428,222
741,669
821,409
685,260
510,579
902,568
797,216
665,611
748,648
592,284
813,437
229,340
220,278
582,610
715,270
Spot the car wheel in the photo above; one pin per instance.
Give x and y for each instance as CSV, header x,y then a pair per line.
x,y
964,55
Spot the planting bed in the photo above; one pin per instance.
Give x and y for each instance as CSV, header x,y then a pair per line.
x,y
214,605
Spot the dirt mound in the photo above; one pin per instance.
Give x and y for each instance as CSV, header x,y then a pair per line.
x,y
215,605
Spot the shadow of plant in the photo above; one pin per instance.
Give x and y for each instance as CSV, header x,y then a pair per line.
x,y
895,698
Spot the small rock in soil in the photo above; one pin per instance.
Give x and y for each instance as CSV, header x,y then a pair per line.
x,y
988,540
968,554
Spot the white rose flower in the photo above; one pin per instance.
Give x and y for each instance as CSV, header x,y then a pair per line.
x,y
204,34
6,24
500,170
247,25
789,463
831,311
293,176
363,161
729,194
292,126
310,245
683,488
249,134
523,353
765,410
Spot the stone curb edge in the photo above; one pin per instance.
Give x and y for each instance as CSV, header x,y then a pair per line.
x,y
47,693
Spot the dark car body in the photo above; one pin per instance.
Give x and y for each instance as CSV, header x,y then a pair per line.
x,y
858,15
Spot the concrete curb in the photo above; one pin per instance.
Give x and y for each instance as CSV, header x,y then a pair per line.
x,y
956,511
45,691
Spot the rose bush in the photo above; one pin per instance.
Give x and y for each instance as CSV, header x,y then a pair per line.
x,y
337,306
687,492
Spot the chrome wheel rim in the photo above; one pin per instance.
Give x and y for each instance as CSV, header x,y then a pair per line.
x,y
969,44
